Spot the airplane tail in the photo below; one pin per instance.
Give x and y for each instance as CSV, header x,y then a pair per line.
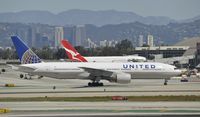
x,y
25,54
71,52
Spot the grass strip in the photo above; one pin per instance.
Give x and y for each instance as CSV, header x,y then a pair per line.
x,y
109,111
102,98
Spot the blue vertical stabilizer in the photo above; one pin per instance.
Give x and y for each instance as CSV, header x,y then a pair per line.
x,y
25,54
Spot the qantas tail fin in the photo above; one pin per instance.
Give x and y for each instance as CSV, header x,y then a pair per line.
x,y
71,52
25,54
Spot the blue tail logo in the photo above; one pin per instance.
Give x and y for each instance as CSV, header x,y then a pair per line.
x,y
25,54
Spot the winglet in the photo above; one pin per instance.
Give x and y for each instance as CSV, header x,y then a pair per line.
x,y
71,52
25,54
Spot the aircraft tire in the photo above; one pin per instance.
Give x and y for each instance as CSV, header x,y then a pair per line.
x,y
21,75
100,84
89,84
95,84
3,70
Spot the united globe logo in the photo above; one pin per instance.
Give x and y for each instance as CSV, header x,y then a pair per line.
x,y
29,57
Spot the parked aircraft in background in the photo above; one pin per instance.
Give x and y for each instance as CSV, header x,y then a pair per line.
x,y
73,54
113,72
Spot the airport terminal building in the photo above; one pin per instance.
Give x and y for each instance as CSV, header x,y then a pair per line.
x,y
165,51
197,56
187,56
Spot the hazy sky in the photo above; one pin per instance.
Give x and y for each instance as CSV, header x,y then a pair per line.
x,y
176,9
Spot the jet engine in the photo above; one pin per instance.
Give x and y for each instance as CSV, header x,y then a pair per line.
x,y
121,78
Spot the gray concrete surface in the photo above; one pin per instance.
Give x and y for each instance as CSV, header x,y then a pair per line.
x,y
99,108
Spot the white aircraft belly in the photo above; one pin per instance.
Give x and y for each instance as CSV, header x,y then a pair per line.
x,y
150,75
64,75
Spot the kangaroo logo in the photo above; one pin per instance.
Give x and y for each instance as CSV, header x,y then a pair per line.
x,y
71,52
73,55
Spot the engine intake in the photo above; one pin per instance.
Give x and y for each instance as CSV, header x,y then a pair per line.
x,y
121,78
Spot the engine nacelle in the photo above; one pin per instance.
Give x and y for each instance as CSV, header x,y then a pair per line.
x,y
121,78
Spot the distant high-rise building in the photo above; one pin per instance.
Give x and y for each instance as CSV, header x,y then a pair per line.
x,y
112,43
103,43
150,40
45,41
42,41
38,38
197,54
91,44
80,36
140,41
106,43
69,34
59,35
31,37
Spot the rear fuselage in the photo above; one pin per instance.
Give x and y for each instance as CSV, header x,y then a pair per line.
x,y
115,59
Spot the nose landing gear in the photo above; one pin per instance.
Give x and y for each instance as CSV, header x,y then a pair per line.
x,y
165,83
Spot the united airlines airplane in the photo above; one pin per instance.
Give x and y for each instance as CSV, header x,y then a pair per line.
x,y
73,54
113,72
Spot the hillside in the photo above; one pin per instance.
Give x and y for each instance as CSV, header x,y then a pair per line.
x,y
169,34
79,17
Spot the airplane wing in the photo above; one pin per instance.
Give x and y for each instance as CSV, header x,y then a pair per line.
x,y
13,67
97,72
26,69
20,68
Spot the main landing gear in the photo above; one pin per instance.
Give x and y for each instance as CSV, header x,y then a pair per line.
x,y
165,83
25,76
28,76
95,84
39,77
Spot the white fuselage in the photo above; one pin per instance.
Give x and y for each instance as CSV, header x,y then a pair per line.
x,y
115,58
73,70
